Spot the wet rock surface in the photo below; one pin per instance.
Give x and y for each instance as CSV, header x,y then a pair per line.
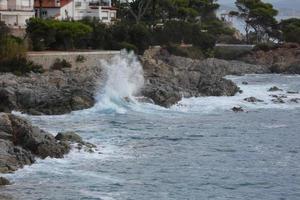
x,y
20,143
169,77
274,89
253,100
71,137
237,109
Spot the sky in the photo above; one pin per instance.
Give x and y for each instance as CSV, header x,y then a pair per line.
x,y
287,8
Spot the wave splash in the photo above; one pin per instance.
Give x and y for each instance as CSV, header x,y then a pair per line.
x,y
124,79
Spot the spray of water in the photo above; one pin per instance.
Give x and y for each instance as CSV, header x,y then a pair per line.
x,y
123,80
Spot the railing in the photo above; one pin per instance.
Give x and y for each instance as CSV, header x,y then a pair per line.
x,y
99,3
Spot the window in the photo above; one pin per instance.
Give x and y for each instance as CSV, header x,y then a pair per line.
x,y
104,15
44,12
77,4
113,15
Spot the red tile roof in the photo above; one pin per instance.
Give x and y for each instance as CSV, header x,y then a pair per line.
x,y
51,3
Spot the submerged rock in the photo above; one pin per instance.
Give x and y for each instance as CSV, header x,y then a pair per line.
x,y
237,109
278,100
292,92
245,83
295,100
274,89
4,181
253,100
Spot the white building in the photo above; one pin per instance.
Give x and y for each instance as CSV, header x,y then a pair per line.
x,y
77,9
15,12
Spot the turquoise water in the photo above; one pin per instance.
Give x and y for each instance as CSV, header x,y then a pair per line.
x,y
198,149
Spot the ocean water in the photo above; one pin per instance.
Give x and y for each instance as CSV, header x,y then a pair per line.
x,y
198,149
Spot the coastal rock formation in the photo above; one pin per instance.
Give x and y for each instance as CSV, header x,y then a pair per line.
x,y
53,92
169,77
20,143
283,59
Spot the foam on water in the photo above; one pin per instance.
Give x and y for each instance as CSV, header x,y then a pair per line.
x,y
258,86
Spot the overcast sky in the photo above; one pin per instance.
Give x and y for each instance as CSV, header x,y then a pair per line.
x,y
287,8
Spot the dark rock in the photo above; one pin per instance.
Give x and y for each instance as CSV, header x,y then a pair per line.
x,y
4,181
253,100
292,92
237,109
72,137
20,143
144,100
278,100
245,83
169,78
295,100
69,136
274,89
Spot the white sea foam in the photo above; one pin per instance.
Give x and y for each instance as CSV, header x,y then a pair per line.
x,y
257,87
124,79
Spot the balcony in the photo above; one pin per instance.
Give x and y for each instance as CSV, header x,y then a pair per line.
x,y
99,3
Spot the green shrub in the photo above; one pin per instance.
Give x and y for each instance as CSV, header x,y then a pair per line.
x,y
264,47
11,47
188,52
55,34
140,37
60,64
128,46
20,66
80,59
230,53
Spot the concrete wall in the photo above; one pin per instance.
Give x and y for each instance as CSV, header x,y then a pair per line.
x,y
92,58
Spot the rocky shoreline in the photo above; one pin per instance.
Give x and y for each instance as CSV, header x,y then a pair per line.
x,y
21,143
168,79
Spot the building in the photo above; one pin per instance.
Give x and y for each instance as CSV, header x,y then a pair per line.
x,y
15,12
76,9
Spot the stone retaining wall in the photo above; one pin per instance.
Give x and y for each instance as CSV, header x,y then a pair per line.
x,y
77,59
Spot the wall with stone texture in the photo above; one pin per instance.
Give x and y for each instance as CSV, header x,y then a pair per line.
x,y
91,58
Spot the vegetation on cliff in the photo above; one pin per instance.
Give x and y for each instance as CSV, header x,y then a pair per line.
x,y
12,54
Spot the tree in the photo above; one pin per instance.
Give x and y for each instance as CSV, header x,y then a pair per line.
x,y
138,8
258,16
290,30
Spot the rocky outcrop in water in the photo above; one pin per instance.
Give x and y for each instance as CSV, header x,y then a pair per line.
x,y
283,59
53,92
20,143
169,77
